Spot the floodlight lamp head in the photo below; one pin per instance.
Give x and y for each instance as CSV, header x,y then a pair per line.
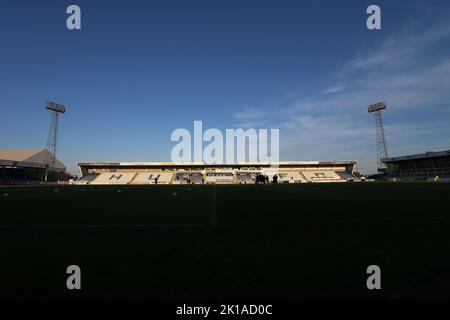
x,y
377,107
55,107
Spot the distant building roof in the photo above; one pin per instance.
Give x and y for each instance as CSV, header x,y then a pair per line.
x,y
33,156
426,155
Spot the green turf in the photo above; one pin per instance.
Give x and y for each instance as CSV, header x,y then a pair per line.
x,y
227,242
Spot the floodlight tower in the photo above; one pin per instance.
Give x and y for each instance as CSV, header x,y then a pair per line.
x,y
55,109
381,138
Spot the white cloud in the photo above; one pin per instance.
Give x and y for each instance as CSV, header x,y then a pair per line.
x,y
410,70
250,114
401,48
334,89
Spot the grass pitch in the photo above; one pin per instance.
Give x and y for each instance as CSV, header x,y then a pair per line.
x,y
226,241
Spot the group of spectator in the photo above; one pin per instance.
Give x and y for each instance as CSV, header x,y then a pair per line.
x,y
263,179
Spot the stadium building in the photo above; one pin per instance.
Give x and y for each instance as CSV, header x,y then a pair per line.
x,y
203,173
30,166
423,166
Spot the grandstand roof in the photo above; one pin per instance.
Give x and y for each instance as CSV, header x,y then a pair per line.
x,y
18,154
200,164
426,155
24,157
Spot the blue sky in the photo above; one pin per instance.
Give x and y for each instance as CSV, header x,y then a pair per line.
x,y
140,69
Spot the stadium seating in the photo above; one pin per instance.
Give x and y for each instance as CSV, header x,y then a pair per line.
x,y
17,179
219,178
246,177
181,177
188,177
149,178
322,176
88,178
346,176
284,176
290,177
216,177
196,178
114,178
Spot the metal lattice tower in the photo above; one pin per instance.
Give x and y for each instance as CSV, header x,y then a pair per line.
x,y
52,139
381,137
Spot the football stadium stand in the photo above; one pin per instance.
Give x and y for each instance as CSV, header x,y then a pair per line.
x,y
114,178
246,177
196,177
203,173
285,175
87,178
17,178
346,176
425,166
153,178
30,166
182,177
322,176
291,177
219,178
186,177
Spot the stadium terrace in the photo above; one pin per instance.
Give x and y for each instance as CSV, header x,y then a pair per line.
x,y
30,166
139,173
